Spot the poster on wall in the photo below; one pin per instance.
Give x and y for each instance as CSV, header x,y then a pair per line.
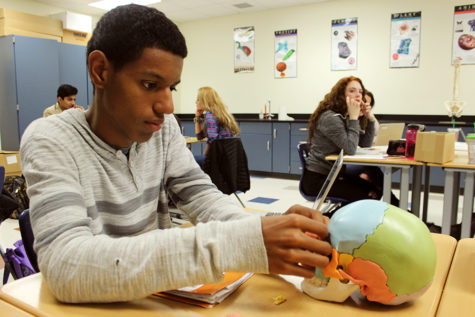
x,y
285,53
344,43
405,39
244,49
464,34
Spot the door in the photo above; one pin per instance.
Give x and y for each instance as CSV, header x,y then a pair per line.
x,y
73,70
256,138
37,77
281,147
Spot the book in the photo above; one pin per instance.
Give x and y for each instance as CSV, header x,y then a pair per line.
x,y
207,295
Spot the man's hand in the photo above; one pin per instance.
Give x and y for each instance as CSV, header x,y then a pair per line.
x,y
290,247
78,107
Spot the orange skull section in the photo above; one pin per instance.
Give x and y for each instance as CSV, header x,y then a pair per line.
x,y
368,275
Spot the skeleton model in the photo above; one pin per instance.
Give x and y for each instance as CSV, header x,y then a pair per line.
x,y
455,106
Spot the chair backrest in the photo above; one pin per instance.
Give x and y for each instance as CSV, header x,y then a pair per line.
x,y
226,164
28,237
303,150
2,177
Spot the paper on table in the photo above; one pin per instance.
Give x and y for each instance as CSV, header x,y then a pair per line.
x,y
461,146
375,152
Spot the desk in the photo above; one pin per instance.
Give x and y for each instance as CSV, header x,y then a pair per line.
x,y
8,310
458,297
389,164
192,139
451,192
254,298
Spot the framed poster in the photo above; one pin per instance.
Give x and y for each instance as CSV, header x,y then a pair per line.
x,y
464,34
285,53
405,39
344,43
244,49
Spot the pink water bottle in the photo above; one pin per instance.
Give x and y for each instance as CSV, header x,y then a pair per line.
x,y
411,134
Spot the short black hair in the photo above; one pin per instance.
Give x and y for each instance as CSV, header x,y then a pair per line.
x,y
66,90
124,32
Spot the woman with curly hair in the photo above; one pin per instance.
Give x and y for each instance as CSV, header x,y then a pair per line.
x,y
335,125
212,119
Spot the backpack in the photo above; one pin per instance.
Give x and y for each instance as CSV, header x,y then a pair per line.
x,y
16,262
16,186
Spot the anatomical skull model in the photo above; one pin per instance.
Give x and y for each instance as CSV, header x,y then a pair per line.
x,y
381,249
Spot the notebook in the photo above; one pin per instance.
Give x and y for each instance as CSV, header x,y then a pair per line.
x,y
327,185
389,131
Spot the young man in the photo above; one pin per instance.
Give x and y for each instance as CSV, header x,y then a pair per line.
x,y
66,100
98,183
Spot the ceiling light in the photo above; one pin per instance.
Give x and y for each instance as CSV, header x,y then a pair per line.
x,y
242,5
111,4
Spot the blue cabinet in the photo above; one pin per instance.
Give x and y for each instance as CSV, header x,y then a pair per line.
x,y
31,69
257,141
29,81
281,147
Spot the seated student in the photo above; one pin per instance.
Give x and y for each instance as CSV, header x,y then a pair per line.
x,y
372,174
98,183
66,96
212,119
333,126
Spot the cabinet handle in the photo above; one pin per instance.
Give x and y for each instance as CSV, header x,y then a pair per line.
x,y
303,129
268,145
275,133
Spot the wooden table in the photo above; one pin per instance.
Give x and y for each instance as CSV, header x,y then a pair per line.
x,y
390,164
452,171
8,310
458,297
253,298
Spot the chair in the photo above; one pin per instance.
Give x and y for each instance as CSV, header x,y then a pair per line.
x,y
333,203
226,165
28,237
2,177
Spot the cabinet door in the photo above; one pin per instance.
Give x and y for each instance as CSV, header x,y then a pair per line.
x,y
281,147
256,138
8,101
73,70
37,77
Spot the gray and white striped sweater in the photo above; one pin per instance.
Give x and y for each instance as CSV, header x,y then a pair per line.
x,y
101,223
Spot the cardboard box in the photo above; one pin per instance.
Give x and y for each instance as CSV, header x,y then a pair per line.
x,y
435,147
20,23
76,37
11,161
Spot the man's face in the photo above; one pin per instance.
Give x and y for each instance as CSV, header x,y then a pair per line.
x,y
67,102
136,97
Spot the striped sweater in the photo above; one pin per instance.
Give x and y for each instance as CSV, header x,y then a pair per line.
x,y
101,223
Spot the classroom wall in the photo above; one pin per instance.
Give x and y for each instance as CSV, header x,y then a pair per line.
x,y
421,90
210,61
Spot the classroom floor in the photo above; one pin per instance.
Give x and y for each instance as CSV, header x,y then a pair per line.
x,y
267,194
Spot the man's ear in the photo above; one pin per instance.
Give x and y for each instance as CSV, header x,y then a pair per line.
x,y
59,99
99,67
